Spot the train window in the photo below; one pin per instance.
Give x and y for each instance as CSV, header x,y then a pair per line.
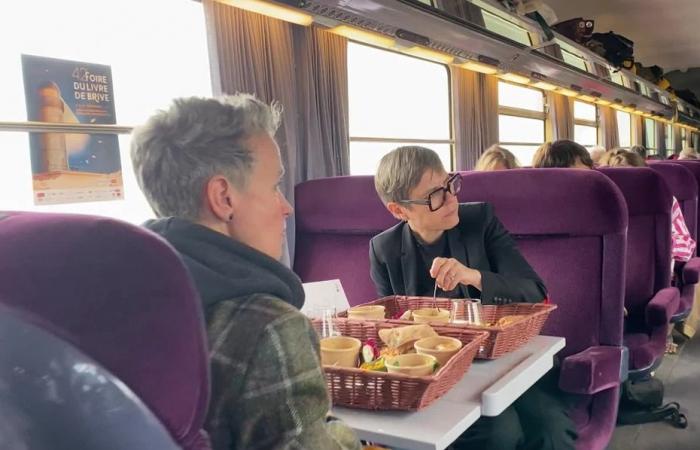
x,y
585,124
572,57
513,96
395,100
506,28
650,136
521,120
624,128
156,68
668,136
619,79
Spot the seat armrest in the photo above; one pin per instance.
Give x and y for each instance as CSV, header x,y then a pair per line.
x,y
662,307
691,271
593,370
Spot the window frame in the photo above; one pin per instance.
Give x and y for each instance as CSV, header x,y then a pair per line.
x,y
652,151
629,137
588,123
402,140
669,138
525,114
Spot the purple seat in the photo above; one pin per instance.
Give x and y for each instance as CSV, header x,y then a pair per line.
x,y
649,299
120,295
570,225
684,187
335,220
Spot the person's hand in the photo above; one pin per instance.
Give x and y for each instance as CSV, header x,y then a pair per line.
x,y
450,273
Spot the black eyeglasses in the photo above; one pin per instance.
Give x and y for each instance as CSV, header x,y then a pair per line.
x,y
436,199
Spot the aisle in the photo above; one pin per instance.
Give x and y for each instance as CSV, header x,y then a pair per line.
x,y
681,376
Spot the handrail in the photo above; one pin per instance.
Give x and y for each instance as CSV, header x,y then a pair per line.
x,y
55,127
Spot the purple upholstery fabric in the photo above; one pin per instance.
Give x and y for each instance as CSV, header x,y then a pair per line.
x,y
684,187
691,271
119,294
335,220
642,351
648,254
694,168
591,371
662,307
565,219
570,226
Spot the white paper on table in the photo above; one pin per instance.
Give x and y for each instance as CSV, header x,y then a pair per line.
x,y
324,294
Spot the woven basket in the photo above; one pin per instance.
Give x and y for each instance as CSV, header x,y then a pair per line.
x,y
366,389
501,340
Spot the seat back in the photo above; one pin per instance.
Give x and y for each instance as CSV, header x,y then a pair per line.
x,y
570,226
694,167
335,220
121,295
648,201
56,397
684,187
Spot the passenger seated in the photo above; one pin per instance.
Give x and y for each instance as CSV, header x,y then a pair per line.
x,y
640,150
596,153
683,244
688,153
466,252
564,154
496,158
211,170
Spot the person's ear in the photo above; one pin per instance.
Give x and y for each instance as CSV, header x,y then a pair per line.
x,y
222,198
397,210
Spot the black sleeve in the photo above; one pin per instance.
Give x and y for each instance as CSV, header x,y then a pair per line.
x,y
379,273
511,279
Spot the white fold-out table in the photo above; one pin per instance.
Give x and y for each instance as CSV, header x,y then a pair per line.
x,y
487,389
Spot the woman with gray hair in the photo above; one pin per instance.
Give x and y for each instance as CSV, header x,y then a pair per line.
x,y
211,170
465,251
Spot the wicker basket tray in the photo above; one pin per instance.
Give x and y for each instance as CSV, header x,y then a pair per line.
x,y
501,340
358,388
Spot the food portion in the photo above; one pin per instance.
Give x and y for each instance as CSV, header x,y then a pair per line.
x,y
441,347
367,312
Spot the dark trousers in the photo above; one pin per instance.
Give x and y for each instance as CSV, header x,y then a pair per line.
x,y
538,420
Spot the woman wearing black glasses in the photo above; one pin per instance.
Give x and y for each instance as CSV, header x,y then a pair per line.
x,y
464,249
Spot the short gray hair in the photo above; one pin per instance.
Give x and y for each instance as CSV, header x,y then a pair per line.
x,y
179,149
401,169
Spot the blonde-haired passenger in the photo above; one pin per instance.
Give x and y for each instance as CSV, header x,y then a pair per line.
x,y
597,152
683,244
619,157
688,153
496,158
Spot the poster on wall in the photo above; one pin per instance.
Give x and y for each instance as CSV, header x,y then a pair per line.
x,y
71,167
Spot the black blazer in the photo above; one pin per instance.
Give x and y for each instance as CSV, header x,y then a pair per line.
x,y
479,241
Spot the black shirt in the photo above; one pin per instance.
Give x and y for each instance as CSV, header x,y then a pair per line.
x,y
425,255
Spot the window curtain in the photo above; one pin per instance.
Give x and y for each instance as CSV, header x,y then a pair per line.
x,y
304,69
637,125
677,142
561,116
661,139
608,135
474,113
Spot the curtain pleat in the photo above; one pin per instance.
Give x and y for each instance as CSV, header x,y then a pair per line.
x,y
637,125
608,135
303,69
561,116
475,115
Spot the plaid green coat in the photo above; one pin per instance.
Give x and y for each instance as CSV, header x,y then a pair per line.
x,y
268,388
